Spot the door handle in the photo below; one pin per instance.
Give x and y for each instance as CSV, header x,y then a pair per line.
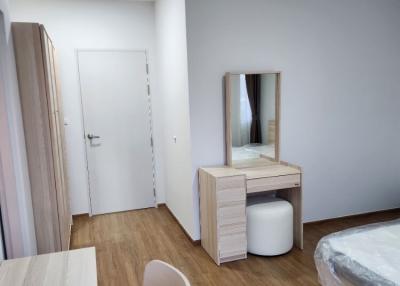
x,y
91,136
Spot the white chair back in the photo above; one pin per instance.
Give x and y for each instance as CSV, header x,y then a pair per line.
x,y
159,273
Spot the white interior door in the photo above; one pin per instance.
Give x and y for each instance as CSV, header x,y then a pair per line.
x,y
114,89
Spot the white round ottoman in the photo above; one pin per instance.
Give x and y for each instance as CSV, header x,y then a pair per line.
x,y
269,226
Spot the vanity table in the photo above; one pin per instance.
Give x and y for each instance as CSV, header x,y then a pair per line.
x,y
223,194
224,189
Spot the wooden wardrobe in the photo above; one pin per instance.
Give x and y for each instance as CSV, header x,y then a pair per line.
x,y
44,135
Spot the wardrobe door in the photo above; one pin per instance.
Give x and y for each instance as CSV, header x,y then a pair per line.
x,y
58,146
38,138
67,216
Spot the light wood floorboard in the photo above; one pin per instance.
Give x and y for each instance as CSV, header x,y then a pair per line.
x,y
126,241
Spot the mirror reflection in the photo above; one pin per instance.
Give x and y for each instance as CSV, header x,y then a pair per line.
x,y
253,116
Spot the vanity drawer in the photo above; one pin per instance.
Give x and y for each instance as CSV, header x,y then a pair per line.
x,y
233,182
231,245
273,183
231,229
228,196
232,214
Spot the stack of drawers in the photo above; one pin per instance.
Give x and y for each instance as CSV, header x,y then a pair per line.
x,y
223,213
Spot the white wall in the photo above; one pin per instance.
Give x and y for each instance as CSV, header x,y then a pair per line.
x,y
340,91
76,25
173,88
14,180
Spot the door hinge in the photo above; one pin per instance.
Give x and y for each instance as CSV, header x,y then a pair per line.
x,y
148,89
147,68
151,142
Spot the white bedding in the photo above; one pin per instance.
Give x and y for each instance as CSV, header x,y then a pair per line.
x,y
370,254
377,249
252,152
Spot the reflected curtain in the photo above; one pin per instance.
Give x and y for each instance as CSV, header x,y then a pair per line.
x,y
245,113
253,84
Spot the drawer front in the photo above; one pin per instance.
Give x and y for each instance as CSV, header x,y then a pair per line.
x,y
231,229
233,214
232,245
229,196
273,183
231,182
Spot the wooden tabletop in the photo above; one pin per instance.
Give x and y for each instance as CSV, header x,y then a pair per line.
x,y
222,171
269,171
274,170
75,267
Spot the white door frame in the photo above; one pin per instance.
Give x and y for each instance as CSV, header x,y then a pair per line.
x,y
90,191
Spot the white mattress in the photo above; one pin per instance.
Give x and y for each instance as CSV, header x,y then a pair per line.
x,y
367,255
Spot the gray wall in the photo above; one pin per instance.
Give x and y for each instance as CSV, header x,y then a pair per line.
x,y
340,91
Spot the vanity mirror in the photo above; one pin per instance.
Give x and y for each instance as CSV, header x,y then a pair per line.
x,y
254,168
252,118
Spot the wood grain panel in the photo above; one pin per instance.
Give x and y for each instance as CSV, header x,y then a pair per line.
x,y
208,214
229,196
233,257
38,138
230,182
233,214
67,220
278,117
263,161
233,244
51,94
222,172
58,137
228,119
222,212
44,135
71,268
270,171
272,183
294,196
232,229
271,131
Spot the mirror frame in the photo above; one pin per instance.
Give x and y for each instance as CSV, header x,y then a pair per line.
x,y
228,116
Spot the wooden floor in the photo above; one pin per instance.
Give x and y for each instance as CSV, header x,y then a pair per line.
x,y
126,241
